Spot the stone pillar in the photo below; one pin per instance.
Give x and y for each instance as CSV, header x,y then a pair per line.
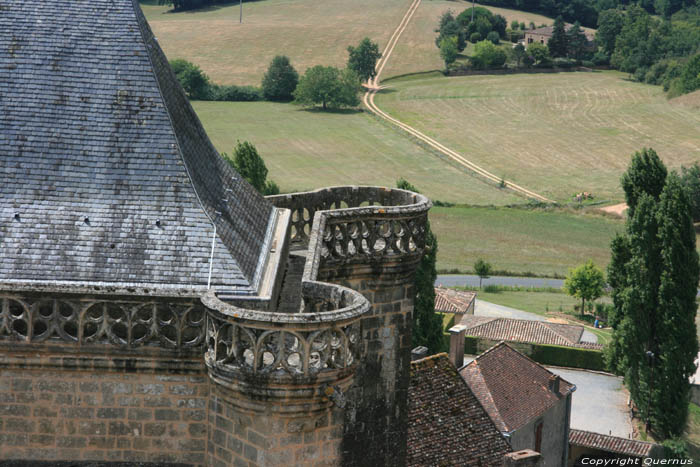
x,y
376,418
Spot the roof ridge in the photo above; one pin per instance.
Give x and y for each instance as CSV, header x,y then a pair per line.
x,y
489,394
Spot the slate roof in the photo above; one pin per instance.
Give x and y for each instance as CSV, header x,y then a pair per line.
x,y
624,446
523,330
446,423
512,388
107,174
453,301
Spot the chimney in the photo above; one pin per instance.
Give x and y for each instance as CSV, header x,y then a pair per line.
x,y
554,383
418,353
457,345
524,458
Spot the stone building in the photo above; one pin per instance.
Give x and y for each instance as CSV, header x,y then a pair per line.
x,y
530,405
153,306
544,33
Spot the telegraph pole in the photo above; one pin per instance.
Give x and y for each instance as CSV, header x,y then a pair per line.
x,y
240,19
473,6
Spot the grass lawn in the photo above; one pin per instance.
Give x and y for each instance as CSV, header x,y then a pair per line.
x,y
692,434
309,32
311,149
545,242
416,50
556,134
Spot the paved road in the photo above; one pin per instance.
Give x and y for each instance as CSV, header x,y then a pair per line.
x,y
599,403
454,280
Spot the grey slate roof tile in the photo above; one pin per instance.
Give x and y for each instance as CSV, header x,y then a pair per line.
x,y
93,124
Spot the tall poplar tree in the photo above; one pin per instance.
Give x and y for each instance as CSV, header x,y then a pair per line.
x,y
654,276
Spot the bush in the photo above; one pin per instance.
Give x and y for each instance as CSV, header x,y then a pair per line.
x,y
474,38
601,58
231,93
515,36
675,448
191,78
487,55
280,80
563,62
539,52
587,63
493,37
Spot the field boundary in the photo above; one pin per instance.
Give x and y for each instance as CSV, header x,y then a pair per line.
x,y
373,87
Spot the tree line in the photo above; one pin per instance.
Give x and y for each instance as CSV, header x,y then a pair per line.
x,y
652,50
327,86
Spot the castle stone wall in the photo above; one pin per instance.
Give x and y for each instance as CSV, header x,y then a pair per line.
x,y
103,416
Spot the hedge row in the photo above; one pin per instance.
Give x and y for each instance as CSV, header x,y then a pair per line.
x,y
555,355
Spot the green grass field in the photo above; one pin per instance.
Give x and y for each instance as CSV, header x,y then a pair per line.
x,y
307,31
520,240
312,149
556,134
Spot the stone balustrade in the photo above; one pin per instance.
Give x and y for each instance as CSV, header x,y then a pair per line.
x,y
357,221
323,338
88,320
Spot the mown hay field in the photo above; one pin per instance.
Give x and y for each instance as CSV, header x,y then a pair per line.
x,y
554,133
309,32
544,242
306,149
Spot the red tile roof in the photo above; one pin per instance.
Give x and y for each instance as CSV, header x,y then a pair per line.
x,y
453,301
628,447
447,424
522,330
512,388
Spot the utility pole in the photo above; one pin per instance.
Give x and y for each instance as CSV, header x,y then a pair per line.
x,y
473,6
240,19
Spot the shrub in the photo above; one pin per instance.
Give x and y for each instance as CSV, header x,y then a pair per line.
x,y
487,55
280,80
675,448
514,25
493,37
474,38
587,63
231,93
564,62
191,78
601,58
539,52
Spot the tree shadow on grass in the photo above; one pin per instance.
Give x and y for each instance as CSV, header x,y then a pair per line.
x,y
319,110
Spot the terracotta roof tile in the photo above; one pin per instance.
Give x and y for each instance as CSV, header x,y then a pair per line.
x,y
512,388
453,301
447,423
629,447
522,330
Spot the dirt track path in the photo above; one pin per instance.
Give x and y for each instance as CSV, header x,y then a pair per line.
x,y
373,87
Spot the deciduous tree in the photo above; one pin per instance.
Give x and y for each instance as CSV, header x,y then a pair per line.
x,y
329,87
363,59
448,51
482,269
585,282
248,163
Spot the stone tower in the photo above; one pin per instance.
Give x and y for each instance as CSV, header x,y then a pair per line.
x,y
153,306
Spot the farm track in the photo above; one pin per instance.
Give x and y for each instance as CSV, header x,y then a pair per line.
x,y
373,87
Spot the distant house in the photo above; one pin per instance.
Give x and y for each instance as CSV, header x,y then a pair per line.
x,y
454,301
585,445
447,424
525,331
530,405
543,34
